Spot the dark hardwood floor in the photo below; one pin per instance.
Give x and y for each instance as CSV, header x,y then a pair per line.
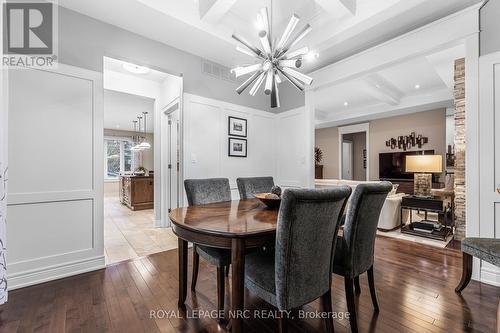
x,y
415,286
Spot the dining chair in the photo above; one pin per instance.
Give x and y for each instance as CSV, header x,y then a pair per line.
x,y
202,192
299,270
353,255
253,185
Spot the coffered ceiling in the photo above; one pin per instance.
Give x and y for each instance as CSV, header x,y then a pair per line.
x,y
204,27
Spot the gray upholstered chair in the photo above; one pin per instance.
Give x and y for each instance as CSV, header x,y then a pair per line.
x,y
299,270
252,185
487,249
202,192
354,249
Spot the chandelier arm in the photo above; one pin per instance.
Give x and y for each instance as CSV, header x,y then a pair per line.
x,y
265,20
302,33
269,82
295,54
292,80
257,84
247,52
275,97
240,71
248,45
296,63
264,40
248,82
294,20
298,75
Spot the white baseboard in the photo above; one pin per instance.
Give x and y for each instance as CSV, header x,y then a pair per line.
x,y
490,275
28,278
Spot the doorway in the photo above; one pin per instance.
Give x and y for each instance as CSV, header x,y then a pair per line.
x,y
354,152
135,147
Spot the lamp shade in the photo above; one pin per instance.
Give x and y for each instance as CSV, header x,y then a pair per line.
x,y
424,163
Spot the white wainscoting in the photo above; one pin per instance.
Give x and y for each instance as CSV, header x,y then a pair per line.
x,y
55,197
275,143
292,150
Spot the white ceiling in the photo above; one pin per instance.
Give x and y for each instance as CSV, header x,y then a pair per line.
x,y
414,82
336,32
121,108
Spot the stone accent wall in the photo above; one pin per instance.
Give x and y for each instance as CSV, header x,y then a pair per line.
x,y
459,95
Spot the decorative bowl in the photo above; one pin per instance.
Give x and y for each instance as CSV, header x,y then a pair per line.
x,y
271,203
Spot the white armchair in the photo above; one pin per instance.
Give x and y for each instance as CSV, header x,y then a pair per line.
x,y
390,216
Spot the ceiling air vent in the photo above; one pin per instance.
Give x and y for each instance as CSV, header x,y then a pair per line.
x,y
216,70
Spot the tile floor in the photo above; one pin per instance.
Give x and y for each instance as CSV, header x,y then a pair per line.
x,y
130,234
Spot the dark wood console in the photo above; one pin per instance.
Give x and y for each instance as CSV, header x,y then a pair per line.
x,y
137,192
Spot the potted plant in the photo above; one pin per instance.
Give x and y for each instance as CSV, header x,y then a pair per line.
x,y
318,157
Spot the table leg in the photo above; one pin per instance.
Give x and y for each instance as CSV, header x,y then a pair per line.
x,y
182,250
238,284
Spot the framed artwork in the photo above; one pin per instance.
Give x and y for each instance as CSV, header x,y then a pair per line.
x,y
237,127
237,147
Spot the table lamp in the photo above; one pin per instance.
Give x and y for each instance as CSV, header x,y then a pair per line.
x,y
423,166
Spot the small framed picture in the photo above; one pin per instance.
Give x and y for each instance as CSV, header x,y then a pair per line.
x,y
237,127
237,147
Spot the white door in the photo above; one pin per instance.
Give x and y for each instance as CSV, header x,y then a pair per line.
x,y
55,189
489,152
347,160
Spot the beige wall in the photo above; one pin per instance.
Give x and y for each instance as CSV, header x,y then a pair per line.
x,y
147,155
431,124
327,140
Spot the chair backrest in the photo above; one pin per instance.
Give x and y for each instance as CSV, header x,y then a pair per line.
x,y
252,185
206,191
360,226
308,223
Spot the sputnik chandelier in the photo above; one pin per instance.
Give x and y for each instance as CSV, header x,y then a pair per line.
x,y
275,59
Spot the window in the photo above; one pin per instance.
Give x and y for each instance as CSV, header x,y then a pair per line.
x,y
117,157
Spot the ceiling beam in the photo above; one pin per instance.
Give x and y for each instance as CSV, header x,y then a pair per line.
x,y
381,89
444,33
409,104
338,8
213,10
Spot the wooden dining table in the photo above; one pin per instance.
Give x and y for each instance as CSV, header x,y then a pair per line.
x,y
240,226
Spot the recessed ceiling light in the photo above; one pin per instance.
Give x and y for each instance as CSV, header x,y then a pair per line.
x,y
346,103
377,85
417,86
117,126
136,69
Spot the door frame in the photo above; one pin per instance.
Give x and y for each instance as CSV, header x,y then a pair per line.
x,y
174,105
364,127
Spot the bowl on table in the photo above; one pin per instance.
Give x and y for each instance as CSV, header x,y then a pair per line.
x,y
271,200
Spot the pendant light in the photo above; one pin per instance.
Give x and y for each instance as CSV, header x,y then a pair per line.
x,y
145,144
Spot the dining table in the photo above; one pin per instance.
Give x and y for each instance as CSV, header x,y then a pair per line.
x,y
238,225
